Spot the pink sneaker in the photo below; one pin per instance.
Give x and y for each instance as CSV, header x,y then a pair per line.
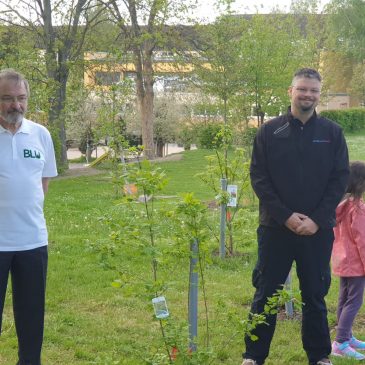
x,y
345,350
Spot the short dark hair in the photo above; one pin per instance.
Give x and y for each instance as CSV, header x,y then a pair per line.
x,y
308,73
11,74
356,183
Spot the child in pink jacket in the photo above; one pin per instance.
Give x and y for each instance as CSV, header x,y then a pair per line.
x,y
348,262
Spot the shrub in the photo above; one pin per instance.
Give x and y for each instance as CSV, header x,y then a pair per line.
x,y
248,136
87,138
351,120
57,148
186,137
208,135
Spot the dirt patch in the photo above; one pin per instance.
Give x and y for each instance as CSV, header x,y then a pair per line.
x,y
174,157
282,315
79,169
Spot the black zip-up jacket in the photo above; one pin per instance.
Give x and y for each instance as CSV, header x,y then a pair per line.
x,y
300,168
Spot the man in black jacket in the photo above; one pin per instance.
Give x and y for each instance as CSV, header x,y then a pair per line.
x,y
299,171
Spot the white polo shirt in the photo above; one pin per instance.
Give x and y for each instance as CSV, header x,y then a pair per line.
x,y
26,157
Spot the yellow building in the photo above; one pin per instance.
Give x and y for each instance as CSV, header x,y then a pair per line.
x,y
105,70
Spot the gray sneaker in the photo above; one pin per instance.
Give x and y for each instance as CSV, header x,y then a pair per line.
x,y
249,362
324,362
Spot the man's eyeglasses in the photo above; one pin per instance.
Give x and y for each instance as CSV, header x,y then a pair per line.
x,y
13,99
303,90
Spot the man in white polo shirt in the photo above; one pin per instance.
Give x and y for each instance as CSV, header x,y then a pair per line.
x,y
27,163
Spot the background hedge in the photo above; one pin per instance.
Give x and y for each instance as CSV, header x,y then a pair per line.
x,y
351,120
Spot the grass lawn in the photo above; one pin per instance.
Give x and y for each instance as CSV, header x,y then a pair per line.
x,y
90,322
182,174
355,144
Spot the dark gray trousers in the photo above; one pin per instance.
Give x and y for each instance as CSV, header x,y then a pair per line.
x,y
28,270
278,248
350,300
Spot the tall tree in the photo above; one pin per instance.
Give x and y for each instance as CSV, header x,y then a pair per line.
x,y
17,51
249,61
143,25
59,28
273,47
346,29
358,82
346,22
217,62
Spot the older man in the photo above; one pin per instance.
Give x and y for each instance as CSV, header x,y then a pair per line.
x,y
299,171
27,162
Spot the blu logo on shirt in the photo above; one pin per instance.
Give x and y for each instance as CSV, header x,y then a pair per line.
x,y
31,154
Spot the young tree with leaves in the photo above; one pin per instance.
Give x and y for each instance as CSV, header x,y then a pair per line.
x,y
272,47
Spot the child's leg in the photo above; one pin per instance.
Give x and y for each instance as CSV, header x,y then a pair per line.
x,y
352,304
342,297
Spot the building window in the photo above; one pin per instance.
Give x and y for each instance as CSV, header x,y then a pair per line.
x,y
172,83
107,78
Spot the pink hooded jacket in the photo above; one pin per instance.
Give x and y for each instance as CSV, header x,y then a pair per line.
x,y
348,255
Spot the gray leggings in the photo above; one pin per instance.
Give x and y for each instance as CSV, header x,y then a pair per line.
x,y
349,303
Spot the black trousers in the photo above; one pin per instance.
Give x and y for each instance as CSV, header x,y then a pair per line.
x,y
277,249
28,271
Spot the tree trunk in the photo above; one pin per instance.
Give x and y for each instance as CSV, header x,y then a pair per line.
x,y
58,71
160,148
145,96
147,124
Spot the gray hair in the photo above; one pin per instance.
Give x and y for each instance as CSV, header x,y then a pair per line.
x,y
11,74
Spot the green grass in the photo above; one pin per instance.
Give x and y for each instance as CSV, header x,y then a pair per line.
x,y
90,322
355,144
182,174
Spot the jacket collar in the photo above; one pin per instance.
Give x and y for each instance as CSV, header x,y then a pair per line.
x,y
295,121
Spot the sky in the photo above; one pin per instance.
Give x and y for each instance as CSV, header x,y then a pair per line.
x,y
207,10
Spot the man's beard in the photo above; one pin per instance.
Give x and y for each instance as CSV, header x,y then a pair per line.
x,y
13,117
307,107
